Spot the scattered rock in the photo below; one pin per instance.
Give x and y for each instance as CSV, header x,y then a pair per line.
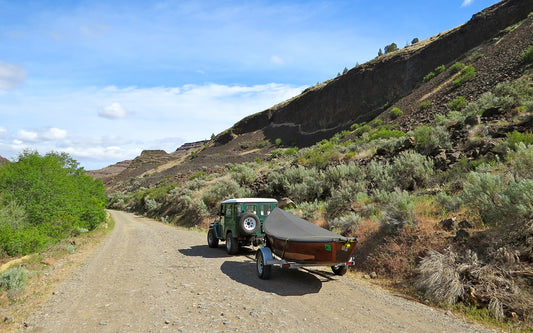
x,y
8,319
473,120
461,235
373,275
464,224
448,224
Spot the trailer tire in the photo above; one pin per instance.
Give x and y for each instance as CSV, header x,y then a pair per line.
x,y
212,240
263,271
232,245
249,223
339,269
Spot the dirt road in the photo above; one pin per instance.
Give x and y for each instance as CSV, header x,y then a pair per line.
x,y
151,277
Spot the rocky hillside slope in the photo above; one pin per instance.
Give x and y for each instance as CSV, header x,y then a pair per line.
x,y
487,41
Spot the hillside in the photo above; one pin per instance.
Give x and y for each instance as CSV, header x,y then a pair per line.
x,y
425,154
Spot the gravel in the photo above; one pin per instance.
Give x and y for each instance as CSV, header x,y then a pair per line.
x,y
152,277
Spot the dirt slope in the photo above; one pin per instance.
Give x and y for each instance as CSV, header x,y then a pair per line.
x,y
148,276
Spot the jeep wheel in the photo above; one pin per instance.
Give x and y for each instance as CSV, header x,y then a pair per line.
x,y
339,269
263,271
212,240
249,224
232,245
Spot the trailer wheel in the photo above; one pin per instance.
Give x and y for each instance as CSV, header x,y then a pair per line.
x,y
232,245
212,240
263,271
339,269
249,223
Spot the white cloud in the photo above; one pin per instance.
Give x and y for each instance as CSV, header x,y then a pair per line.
x,y
3,132
156,118
11,76
112,111
467,3
276,60
42,134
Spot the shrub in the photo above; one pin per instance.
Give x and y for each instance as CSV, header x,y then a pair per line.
x,y
385,133
395,113
379,176
14,278
457,104
521,161
411,170
263,144
346,224
13,215
497,200
429,76
359,131
243,174
222,190
457,67
467,74
527,55
439,69
428,139
342,198
516,137
398,213
425,105
278,142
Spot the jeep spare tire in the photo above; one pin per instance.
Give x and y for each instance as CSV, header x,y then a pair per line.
x,y
249,224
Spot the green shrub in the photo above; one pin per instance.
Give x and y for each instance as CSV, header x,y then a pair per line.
x,y
379,176
334,176
411,170
53,196
457,67
14,278
439,69
278,142
222,190
13,214
359,131
457,104
342,199
395,113
516,137
346,224
425,105
385,133
263,144
521,161
243,174
429,76
399,213
467,74
428,139
527,55
497,200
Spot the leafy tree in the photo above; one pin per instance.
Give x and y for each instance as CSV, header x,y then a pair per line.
x,y
391,48
53,196
414,41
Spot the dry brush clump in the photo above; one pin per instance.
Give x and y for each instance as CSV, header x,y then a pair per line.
x,y
450,277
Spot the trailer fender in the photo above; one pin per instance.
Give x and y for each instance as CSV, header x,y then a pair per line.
x,y
268,259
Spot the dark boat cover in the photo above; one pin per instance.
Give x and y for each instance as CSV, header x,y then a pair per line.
x,y
286,226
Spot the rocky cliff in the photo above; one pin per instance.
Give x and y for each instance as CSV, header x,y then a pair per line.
x,y
366,90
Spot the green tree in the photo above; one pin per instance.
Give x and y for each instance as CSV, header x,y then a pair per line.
x,y
391,48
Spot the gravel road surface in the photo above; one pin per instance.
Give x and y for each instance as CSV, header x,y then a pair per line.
x,y
147,276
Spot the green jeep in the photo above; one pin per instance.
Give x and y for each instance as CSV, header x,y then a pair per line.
x,y
240,223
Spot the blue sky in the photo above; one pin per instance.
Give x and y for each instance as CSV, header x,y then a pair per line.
x,y
104,80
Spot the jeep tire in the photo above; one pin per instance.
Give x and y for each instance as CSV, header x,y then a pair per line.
x,y
249,224
232,244
212,240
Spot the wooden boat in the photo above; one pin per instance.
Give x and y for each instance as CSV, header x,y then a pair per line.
x,y
299,242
